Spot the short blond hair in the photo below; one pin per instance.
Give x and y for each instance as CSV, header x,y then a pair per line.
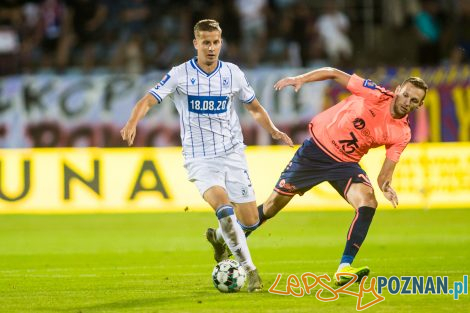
x,y
418,83
207,25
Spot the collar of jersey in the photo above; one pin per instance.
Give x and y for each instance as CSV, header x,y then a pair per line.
x,y
195,66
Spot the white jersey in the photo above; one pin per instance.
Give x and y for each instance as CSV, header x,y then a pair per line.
x,y
208,121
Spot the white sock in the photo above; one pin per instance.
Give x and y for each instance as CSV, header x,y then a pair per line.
x,y
219,236
341,266
235,239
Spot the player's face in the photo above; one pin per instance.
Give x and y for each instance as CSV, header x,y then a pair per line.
x,y
407,99
208,46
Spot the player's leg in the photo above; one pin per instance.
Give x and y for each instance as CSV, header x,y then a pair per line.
x,y
209,179
275,203
234,237
248,220
361,196
231,231
240,191
242,195
216,196
304,171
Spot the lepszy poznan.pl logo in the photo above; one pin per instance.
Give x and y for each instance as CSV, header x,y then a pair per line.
x,y
404,285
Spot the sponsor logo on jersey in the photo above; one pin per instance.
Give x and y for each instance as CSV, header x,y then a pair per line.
x,y
359,123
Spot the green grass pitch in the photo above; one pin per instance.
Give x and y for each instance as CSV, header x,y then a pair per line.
x,y
162,262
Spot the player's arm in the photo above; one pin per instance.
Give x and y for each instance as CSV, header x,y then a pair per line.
x,y
262,118
140,110
385,181
320,74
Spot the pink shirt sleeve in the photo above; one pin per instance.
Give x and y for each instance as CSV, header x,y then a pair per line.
x,y
393,151
367,89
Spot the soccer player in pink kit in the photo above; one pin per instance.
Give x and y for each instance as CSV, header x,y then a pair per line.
x,y
371,117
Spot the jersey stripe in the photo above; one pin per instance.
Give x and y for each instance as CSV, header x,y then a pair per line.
x,y
231,90
189,112
220,122
199,117
210,122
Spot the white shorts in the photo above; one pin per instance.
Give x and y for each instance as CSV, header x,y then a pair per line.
x,y
229,171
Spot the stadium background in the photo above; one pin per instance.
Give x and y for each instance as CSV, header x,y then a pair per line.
x,y
70,72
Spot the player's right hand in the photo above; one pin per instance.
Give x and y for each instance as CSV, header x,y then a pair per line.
x,y
128,134
289,81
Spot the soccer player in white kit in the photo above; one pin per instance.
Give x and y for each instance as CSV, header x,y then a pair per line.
x,y
203,90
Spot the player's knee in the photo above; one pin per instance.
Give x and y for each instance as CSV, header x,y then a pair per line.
x,y
369,199
363,197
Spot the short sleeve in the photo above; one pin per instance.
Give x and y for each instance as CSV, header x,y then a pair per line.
x,y
166,86
394,151
367,89
246,93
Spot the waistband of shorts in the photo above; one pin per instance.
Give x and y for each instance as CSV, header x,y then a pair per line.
x,y
323,149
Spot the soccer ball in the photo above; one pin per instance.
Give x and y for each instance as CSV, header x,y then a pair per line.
x,y
228,276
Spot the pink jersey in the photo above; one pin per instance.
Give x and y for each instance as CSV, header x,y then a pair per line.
x,y
362,121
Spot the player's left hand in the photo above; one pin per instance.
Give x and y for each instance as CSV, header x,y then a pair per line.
x,y
390,193
278,135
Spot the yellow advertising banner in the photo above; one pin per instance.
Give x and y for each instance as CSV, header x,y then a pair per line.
x,y
72,180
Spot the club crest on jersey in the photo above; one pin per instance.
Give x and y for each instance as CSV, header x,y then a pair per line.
x,y
225,82
369,84
193,80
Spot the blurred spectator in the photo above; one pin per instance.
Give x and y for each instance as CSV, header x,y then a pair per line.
x,y
10,22
51,31
253,21
333,26
461,51
30,18
279,34
396,13
124,35
302,32
84,27
230,23
129,54
429,33
168,42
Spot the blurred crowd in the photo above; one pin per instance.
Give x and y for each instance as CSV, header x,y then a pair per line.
x,y
136,36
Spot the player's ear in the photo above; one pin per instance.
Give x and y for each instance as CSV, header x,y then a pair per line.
x,y
195,43
397,90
